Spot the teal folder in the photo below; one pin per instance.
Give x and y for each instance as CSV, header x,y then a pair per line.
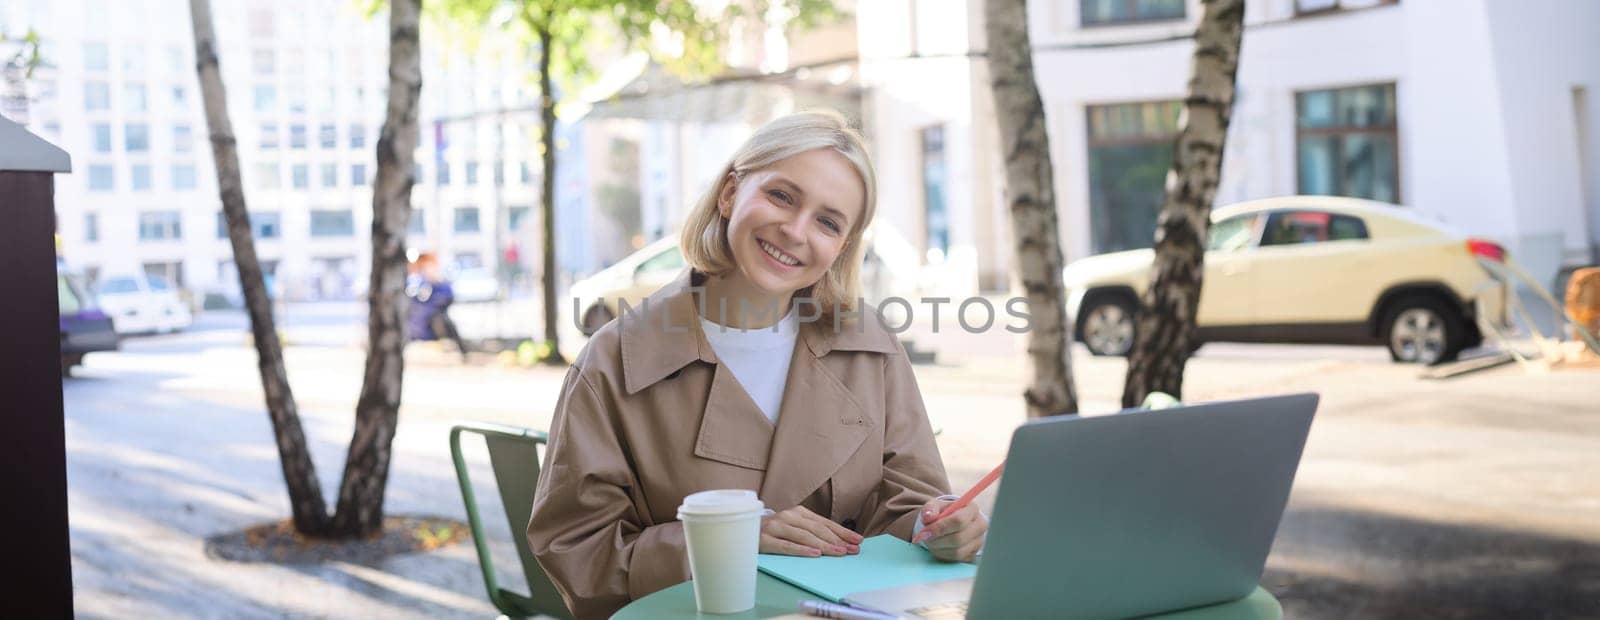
x,y
884,562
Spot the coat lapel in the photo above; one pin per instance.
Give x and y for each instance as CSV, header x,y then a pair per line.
x,y
820,425
733,430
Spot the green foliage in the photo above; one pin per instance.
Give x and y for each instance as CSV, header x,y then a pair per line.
x,y
530,352
684,36
27,56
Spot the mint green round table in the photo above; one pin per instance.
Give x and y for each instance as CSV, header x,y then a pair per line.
x,y
776,598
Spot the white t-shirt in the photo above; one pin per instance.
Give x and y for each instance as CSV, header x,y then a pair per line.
x,y
759,358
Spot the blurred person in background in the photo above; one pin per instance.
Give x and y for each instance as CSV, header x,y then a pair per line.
x,y
428,317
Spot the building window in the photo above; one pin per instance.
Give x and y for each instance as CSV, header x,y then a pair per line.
x,y
269,136
164,275
266,97
261,23
515,216
332,223
527,173
1130,151
1104,12
297,98
91,227
177,61
326,101
358,136
45,90
96,57
330,175
96,96
267,225
328,136
183,176
300,176
140,173
263,62
267,175
180,96
1348,142
466,220
936,213
102,178
263,225
358,175
136,137
160,226
443,173
133,59
134,98
499,173
1304,7
472,173
182,139
297,136
102,137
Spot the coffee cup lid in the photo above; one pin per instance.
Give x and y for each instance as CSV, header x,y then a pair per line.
x,y
720,502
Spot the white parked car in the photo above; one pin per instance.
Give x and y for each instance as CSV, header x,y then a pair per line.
x,y
142,304
1310,269
474,284
598,298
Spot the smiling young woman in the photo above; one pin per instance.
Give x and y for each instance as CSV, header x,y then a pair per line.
x,y
726,384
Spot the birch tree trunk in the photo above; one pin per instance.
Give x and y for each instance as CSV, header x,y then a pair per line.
x,y
1166,317
547,198
1031,199
299,473
366,469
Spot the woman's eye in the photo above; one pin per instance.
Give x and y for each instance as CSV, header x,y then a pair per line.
x,y
832,225
780,195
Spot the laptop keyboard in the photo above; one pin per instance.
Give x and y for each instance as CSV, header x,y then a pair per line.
x,y
954,610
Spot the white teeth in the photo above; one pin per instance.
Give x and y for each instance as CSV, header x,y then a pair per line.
x,y
778,254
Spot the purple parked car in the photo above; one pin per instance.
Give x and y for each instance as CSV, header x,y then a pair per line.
x,y
84,328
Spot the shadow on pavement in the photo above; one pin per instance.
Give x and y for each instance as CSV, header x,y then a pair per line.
x,y
1337,563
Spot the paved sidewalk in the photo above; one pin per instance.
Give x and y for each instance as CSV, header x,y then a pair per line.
x,y
1478,491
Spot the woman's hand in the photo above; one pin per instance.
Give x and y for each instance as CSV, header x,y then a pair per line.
x,y
798,531
955,538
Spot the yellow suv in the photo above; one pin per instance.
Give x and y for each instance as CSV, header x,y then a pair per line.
x,y
1310,269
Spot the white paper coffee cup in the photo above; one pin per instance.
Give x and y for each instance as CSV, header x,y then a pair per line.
x,y
722,530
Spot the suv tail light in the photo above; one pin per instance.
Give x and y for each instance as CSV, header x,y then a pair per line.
x,y
1487,249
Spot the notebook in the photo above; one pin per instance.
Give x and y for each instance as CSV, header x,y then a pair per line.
x,y
884,562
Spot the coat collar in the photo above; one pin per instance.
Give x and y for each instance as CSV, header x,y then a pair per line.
x,y
664,335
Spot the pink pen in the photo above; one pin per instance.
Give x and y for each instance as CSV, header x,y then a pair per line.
x,y
966,498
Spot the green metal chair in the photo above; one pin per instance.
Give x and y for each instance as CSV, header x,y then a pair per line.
x,y
514,455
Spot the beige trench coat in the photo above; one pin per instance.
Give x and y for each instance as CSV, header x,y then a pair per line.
x,y
647,416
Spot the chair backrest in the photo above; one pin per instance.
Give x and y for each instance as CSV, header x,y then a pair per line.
x,y
514,457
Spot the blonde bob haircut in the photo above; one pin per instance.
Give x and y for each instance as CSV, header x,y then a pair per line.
x,y
704,238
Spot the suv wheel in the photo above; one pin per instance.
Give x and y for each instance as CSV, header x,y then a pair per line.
x,y
1108,325
1424,330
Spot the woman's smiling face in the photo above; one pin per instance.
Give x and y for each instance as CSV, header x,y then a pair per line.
x,y
789,221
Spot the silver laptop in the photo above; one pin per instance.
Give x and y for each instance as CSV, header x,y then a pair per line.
x,y
1127,515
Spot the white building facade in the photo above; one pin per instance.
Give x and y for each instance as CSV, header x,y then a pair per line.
x,y
306,84
1477,112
